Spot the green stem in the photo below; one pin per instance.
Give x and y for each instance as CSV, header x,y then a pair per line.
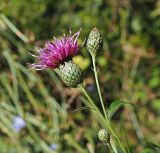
x,y
104,120
110,148
112,132
137,127
98,87
89,99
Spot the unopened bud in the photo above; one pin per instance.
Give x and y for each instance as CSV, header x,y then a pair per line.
x,y
104,136
94,42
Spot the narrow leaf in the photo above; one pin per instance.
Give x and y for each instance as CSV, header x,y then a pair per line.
x,y
115,105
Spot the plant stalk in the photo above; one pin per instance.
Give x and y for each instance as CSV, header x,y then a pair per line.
x,y
104,120
110,148
98,86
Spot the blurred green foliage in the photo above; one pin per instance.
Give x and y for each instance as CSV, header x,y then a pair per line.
x,y
129,69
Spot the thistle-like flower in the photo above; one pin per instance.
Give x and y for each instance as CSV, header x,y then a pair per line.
x,y
59,55
54,54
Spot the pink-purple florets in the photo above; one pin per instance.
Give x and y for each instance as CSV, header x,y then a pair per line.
x,y
54,54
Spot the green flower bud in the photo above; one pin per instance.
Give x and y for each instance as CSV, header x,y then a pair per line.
x,y
94,42
104,136
71,74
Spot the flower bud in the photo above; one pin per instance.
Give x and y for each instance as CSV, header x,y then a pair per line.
x,y
104,136
71,74
94,42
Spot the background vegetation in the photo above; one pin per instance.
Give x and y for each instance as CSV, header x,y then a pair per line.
x,y
129,69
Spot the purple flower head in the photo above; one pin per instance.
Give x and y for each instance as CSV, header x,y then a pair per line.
x,y
54,146
54,54
18,123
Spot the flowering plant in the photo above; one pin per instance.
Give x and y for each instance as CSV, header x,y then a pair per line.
x,y
59,55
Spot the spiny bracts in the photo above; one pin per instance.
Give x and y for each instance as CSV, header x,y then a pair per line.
x,y
71,74
94,42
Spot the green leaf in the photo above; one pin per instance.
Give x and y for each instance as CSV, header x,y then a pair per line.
x,y
153,146
115,105
83,108
147,150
